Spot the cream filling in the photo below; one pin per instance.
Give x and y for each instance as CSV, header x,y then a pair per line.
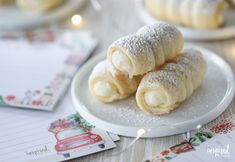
x,y
103,89
122,62
153,98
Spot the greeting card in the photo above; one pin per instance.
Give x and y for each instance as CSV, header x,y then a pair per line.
x,y
29,135
35,72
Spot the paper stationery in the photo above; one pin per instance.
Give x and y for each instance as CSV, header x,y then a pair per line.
x,y
219,148
216,143
29,135
35,72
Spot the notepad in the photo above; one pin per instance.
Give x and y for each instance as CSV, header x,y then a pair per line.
x,y
220,148
35,72
29,135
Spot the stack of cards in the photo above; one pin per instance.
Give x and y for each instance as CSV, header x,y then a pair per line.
x,y
49,136
35,74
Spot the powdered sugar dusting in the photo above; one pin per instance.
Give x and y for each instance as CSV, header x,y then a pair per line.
x,y
160,34
136,47
104,67
191,62
151,46
126,112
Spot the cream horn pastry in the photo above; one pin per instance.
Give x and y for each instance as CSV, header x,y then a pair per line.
x,y
201,14
151,46
172,11
186,7
162,91
165,39
156,8
208,14
108,84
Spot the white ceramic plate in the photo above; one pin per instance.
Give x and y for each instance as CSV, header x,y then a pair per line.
x,y
228,31
125,118
13,18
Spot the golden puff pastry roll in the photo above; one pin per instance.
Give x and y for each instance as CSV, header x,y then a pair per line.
x,y
208,14
108,84
37,6
185,9
165,39
142,52
156,8
172,11
132,55
201,14
162,91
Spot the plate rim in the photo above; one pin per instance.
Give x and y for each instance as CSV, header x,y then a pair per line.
x,y
50,18
173,129
189,33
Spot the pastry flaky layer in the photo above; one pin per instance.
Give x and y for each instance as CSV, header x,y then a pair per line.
x,y
143,51
163,90
108,84
202,14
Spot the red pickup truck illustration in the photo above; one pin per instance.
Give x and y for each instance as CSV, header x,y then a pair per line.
x,y
74,132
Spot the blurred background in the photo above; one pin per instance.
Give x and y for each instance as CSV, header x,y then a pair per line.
x,y
108,20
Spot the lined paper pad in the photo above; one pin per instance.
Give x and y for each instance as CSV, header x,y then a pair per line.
x,y
24,135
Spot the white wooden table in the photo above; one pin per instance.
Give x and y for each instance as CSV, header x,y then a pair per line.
x,y
119,18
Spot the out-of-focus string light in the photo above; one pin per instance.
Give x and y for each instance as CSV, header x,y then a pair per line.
x,y
139,134
142,132
76,20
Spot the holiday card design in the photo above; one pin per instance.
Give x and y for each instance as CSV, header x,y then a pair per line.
x,y
35,72
27,135
216,143
74,133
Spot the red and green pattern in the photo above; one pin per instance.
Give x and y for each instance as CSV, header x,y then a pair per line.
x,y
184,146
199,138
71,122
225,126
2,102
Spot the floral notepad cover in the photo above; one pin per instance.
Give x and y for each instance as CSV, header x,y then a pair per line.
x,y
36,71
